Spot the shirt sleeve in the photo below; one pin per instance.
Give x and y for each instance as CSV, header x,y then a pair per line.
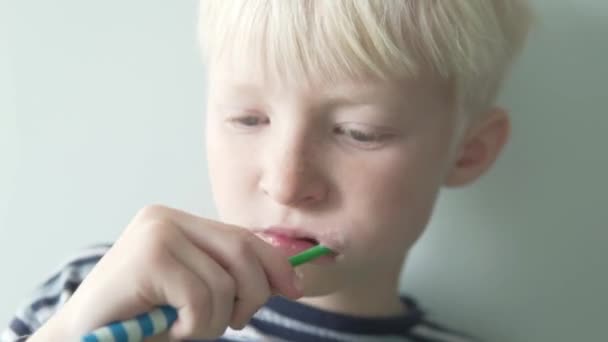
x,y
51,295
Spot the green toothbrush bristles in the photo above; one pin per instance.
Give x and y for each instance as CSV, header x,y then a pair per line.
x,y
309,255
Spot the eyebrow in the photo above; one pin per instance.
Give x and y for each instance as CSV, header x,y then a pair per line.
x,y
358,98
343,100
357,94
342,97
242,88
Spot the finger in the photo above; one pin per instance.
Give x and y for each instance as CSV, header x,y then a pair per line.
x,y
280,274
220,283
253,291
238,258
186,291
243,245
232,245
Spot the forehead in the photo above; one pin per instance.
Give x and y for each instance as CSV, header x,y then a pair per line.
x,y
232,78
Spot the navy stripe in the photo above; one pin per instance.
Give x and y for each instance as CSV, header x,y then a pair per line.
x,y
44,302
19,327
73,264
70,285
288,334
444,329
398,325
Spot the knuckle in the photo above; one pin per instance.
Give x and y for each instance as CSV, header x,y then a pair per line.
x,y
151,212
152,245
156,233
153,224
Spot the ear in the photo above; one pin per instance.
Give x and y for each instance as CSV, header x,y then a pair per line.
x,y
480,148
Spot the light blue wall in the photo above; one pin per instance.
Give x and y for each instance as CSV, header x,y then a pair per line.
x,y
100,113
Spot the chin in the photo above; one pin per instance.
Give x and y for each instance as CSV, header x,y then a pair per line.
x,y
318,283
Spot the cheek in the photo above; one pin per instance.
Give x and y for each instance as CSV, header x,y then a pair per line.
x,y
231,175
393,200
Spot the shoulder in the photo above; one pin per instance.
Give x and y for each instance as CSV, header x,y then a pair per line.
x,y
51,294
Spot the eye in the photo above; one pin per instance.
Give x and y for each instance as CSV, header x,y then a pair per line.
x,y
363,138
248,122
360,135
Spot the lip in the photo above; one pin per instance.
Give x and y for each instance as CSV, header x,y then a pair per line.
x,y
291,232
293,240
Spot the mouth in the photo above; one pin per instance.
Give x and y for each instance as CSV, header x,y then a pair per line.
x,y
292,240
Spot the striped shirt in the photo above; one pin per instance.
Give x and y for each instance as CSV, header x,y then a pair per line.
x,y
279,319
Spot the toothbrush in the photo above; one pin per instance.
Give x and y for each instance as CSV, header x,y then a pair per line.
x,y
160,319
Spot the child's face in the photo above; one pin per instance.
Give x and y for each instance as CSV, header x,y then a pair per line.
x,y
357,165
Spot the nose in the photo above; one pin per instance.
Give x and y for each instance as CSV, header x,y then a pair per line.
x,y
292,177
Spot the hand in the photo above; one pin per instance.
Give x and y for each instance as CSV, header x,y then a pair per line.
x,y
216,275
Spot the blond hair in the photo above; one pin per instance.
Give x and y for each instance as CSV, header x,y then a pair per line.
x,y
468,43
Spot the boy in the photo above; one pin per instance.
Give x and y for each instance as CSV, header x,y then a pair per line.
x,y
328,122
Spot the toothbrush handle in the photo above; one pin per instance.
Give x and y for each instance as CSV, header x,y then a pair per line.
x,y
136,329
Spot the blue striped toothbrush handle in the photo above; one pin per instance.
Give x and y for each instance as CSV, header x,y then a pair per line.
x,y
136,329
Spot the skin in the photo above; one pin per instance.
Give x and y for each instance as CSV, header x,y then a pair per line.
x,y
356,164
